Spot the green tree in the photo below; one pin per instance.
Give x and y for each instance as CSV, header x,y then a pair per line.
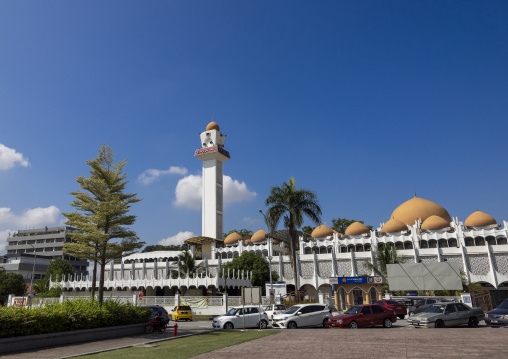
x,y
249,261
101,216
187,263
308,229
10,283
384,255
159,247
341,224
57,269
242,232
291,204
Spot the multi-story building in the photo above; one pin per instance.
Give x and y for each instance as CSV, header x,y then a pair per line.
x,y
46,242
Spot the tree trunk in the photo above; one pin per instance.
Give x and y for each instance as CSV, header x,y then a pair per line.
x,y
103,268
292,257
94,278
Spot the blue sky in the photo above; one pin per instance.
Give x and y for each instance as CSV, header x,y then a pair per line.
x,y
361,102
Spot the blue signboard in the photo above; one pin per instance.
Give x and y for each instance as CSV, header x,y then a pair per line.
x,y
355,280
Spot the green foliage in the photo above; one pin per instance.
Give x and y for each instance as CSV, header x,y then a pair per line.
x,y
76,314
10,283
58,268
308,229
158,247
187,263
249,261
341,224
243,232
384,255
291,205
101,215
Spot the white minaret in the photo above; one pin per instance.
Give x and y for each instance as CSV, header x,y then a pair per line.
x,y
213,155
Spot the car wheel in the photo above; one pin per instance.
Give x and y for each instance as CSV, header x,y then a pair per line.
x,y
411,314
353,325
473,322
229,326
148,328
263,324
291,325
325,323
439,324
387,323
401,316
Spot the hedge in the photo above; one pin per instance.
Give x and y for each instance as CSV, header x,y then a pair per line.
x,y
76,314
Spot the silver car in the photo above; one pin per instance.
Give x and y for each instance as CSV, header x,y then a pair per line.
x,y
441,315
248,316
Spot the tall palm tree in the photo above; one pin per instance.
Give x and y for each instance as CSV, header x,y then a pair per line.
x,y
292,204
384,255
188,265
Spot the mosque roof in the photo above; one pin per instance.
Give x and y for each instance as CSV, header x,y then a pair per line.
x,y
393,225
322,231
201,240
259,236
415,208
212,126
479,219
232,238
356,228
435,222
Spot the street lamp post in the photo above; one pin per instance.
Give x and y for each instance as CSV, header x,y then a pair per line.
x,y
33,271
269,257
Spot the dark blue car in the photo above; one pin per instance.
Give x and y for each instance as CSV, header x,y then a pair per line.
x,y
498,317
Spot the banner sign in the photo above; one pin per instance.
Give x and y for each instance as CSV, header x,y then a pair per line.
x,y
199,303
355,280
204,151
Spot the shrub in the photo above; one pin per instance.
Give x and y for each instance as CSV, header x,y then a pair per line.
x,y
76,314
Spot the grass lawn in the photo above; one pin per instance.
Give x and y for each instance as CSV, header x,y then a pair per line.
x,y
186,347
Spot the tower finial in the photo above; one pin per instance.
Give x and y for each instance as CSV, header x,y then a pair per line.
x,y
415,193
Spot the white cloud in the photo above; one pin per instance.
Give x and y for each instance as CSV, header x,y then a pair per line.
x,y
3,240
152,174
188,192
177,239
9,158
35,217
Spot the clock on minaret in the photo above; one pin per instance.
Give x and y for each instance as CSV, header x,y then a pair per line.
x,y
213,154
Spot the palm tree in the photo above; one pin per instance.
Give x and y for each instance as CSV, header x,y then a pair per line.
x,y
384,255
187,263
292,204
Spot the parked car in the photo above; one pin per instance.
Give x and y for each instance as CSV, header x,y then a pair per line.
x,y
252,316
157,309
303,315
273,309
182,312
423,304
498,317
367,315
447,314
399,308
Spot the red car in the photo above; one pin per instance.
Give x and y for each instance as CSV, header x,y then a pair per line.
x,y
367,315
399,308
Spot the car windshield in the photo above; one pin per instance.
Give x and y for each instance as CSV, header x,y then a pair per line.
x,y
268,308
503,305
353,310
435,309
232,312
292,310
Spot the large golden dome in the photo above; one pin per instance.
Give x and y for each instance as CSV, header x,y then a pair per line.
x,y
259,236
435,222
409,211
322,231
393,225
356,228
232,238
479,219
212,126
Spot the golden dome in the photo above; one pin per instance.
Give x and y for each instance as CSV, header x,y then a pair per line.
x,y
232,238
393,225
409,211
246,240
356,228
259,236
213,126
435,222
321,231
479,219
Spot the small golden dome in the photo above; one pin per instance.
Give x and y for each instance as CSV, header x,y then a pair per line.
x,y
415,208
321,231
246,240
356,228
435,222
232,238
212,126
259,236
393,225
479,219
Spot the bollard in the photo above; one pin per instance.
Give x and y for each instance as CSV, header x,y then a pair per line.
x,y
175,329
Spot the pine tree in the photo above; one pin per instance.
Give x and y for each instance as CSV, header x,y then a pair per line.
x,y
102,215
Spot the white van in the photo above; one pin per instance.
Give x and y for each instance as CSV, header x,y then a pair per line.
x,y
234,318
303,315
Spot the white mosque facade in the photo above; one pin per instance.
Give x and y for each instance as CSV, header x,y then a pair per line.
x,y
420,230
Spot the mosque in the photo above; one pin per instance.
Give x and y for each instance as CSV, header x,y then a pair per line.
x,y
421,230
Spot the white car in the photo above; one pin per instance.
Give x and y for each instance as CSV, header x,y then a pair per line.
x,y
254,317
273,309
303,315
